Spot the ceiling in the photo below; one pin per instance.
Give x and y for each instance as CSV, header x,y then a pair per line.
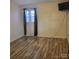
x,y
22,2
32,1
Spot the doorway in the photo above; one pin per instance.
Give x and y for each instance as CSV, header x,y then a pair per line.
x,y
30,22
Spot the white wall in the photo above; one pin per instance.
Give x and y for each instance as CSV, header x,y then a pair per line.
x,y
51,21
67,18
16,24
22,2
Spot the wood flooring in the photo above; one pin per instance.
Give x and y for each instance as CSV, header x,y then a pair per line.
x,y
39,48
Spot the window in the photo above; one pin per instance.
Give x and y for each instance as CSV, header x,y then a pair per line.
x,y
27,15
30,15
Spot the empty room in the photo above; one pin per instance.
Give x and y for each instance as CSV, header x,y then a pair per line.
x,y
39,29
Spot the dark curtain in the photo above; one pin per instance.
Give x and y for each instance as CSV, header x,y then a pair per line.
x,y
35,23
24,16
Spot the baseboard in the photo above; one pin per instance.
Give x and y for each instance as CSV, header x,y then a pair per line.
x,y
21,36
63,37
17,38
60,37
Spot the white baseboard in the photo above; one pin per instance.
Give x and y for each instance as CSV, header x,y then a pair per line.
x,y
53,36
40,36
20,36
61,37
17,37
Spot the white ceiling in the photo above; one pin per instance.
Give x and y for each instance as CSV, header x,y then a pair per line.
x,y
22,2
32,1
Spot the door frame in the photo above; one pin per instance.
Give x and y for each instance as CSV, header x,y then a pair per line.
x,y
35,22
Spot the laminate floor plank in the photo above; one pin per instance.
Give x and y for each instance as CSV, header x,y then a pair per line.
x,y
39,48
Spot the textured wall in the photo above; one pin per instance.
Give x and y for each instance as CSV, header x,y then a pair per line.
x,y
51,21
16,24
